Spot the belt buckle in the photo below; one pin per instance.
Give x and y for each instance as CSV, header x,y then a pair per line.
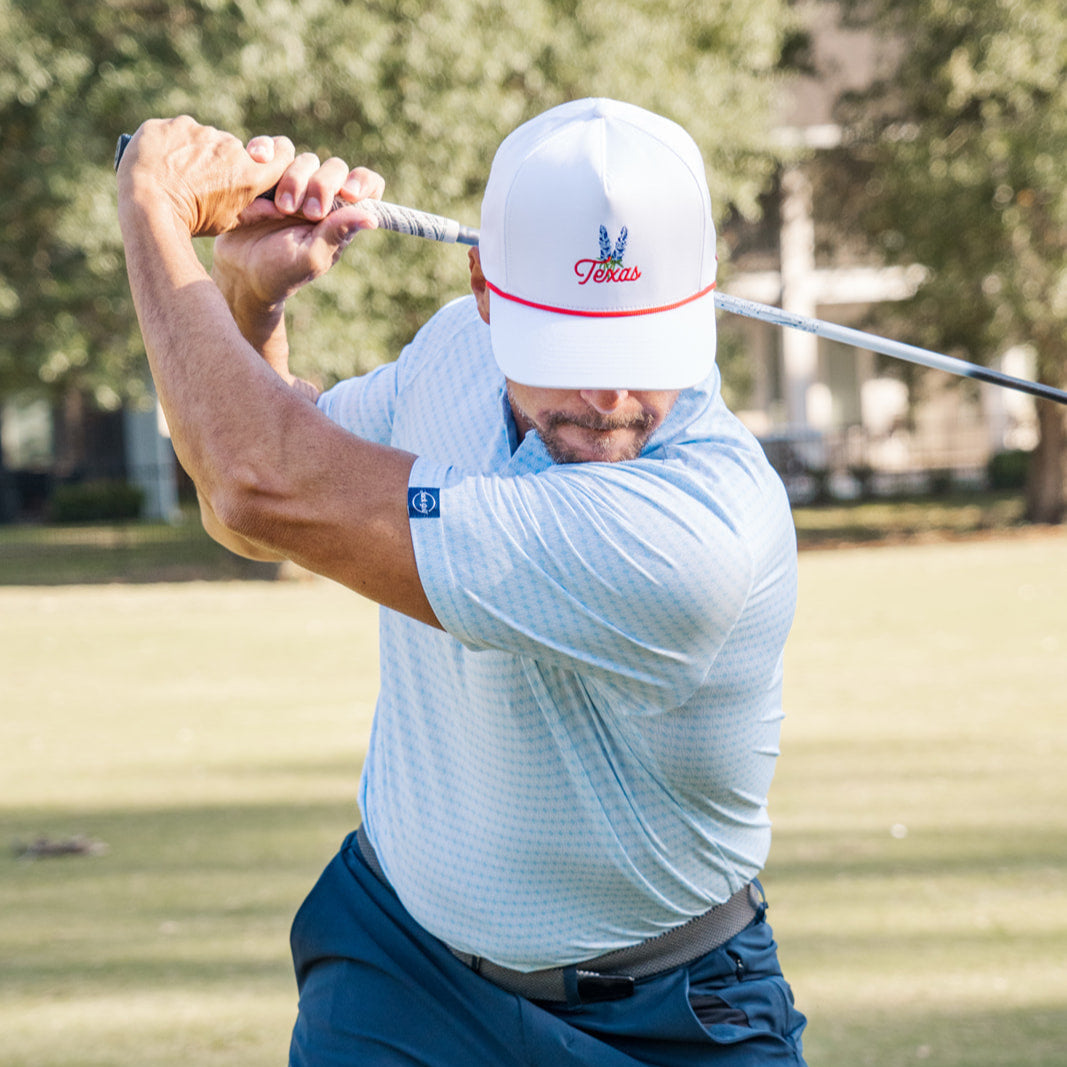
x,y
595,988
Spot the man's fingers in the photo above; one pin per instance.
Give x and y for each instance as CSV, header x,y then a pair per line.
x,y
309,187
340,227
292,188
323,187
261,149
329,238
312,190
363,183
275,153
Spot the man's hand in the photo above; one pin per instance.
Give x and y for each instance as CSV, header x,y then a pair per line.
x,y
209,183
206,177
279,247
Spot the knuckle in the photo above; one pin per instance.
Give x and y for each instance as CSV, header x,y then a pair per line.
x,y
371,180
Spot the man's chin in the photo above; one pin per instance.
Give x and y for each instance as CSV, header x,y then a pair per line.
x,y
592,447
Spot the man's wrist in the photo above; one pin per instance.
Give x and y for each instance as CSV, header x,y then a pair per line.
x,y
248,308
261,322
141,197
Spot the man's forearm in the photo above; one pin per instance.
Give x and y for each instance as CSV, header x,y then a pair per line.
x,y
262,325
195,349
271,468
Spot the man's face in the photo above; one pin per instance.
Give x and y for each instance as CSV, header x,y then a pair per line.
x,y
590,425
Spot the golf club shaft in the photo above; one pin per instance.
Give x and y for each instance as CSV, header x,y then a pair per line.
x,y
874,343
439,228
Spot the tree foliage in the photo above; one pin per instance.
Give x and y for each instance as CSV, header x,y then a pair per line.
x,y
420,90
962,156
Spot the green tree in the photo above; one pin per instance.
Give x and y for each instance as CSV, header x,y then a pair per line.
x,y
420,90
957,162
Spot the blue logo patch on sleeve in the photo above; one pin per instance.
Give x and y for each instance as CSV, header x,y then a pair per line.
x,y
424,503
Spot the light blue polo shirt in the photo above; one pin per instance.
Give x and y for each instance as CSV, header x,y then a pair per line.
x,y
581,760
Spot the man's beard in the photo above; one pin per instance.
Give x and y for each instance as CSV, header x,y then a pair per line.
x,y
641,425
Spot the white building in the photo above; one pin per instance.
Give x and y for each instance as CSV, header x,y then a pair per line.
x,y
823,405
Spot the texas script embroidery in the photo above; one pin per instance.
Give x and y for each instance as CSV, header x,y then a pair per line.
x,y
608,268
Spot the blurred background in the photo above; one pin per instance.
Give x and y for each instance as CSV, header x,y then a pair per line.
x,y
179,758
895,165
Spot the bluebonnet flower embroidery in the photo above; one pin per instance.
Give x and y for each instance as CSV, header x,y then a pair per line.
x,y
609,267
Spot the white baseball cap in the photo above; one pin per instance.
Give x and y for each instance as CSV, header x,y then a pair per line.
x,y
598,246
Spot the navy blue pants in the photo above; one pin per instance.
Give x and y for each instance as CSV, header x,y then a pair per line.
x,y
376,988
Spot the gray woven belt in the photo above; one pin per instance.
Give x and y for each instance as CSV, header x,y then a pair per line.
x,y
612,975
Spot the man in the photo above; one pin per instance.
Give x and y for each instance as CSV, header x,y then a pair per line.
x,y
587,570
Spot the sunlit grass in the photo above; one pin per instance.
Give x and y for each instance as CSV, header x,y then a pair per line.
x,y
211,735
956,514
920,857
122,552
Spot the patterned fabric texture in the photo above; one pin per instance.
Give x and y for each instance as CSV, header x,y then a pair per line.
x,y
582,759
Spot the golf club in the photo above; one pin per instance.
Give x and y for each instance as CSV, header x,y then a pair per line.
x,y
417,223
873,342
392,217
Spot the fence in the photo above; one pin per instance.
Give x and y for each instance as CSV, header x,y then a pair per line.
x,y
852,462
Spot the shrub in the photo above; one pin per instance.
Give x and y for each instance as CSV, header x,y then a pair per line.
x,y
941,481
1007,470
99,501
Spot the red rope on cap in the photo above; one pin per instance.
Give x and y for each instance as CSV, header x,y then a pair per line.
x,y
597,314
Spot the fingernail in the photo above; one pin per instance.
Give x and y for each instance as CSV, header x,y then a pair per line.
x,y
285,202
312,208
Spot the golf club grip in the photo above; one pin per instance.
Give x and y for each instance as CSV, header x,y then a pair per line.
x,y
392,217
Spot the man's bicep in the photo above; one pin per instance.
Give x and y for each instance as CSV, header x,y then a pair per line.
x,y
338,509
359,534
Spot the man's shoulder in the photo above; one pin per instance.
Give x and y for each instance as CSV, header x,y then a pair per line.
x,y
458,318
454,341
702,439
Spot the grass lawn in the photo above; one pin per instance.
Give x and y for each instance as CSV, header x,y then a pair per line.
x,y
211,735
958,514
144,552
130,552
920,860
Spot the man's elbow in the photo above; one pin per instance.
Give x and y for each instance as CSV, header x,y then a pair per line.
x,y
234,515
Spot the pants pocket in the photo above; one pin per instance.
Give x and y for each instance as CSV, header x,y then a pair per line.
x,y
712,1010
739,997
754,1011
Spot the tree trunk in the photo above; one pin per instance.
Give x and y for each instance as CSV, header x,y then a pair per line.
x,y
8,497
1044,487
69,420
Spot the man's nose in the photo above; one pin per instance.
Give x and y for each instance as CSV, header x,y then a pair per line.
x,y
605,401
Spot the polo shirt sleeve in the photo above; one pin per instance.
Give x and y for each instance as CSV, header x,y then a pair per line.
x,y
613,570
